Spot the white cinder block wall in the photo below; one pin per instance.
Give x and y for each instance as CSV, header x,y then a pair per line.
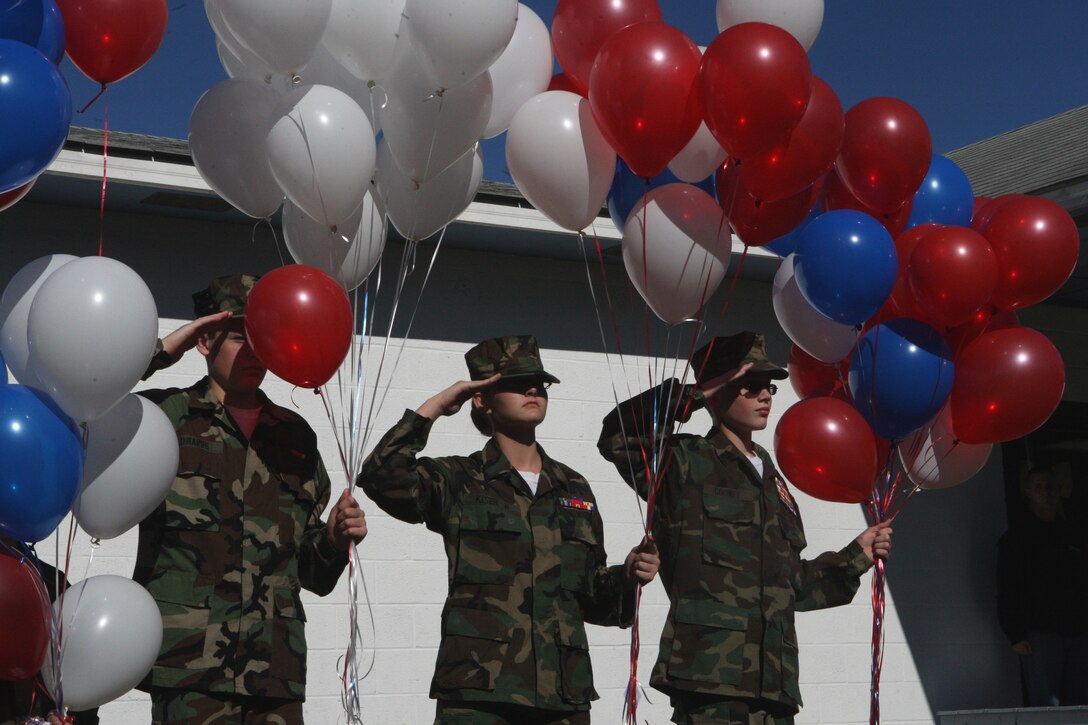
x,y
943,650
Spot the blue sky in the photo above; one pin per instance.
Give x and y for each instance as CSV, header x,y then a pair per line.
x,y
973,68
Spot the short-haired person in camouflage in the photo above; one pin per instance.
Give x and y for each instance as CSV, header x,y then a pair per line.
x,y
525,544
239,534
731,538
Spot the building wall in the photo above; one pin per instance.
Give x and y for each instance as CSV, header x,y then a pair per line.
x,y
943,650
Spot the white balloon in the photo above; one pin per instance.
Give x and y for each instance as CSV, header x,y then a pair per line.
x,y
15,310
325,69
935,458
362,35
800,18
427,131
282,33
112,632
456,40
822,338
132,458
676,247
226,138
420,210
348,254
522,71
559,159
92,330
321,151
700,158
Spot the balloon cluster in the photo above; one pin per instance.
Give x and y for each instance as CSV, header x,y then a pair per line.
x,y
77,334
313,85
106,39
919,333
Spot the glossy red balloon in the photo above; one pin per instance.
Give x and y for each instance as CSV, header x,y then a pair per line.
x,y
885,154
111,39
979,205
758,222
1008,383
754,85
649,121
9,199
985,320
838,196
808,154
901,302
580,28
952,274
22,614
299,324
1037,244
827,450
809,375
985,211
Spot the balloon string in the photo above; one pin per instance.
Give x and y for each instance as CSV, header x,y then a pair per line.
x,y
105,157
97,96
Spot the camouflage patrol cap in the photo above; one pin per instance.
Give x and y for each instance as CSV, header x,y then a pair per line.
x,y
224,293
723,354
515,356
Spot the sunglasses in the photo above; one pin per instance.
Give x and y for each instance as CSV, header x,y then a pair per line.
x,y
520,385
752,388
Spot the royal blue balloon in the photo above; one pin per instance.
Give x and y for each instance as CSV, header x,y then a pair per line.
x,y
51,42
845,265
3,371
42,463
786,244
900,375
628,189
945,196
21,20
35,112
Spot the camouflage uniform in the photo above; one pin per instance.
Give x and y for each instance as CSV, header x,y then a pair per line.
x,y
239,533
525,572
730,543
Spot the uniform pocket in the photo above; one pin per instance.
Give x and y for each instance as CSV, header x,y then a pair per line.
x,y
493,546
192,503
579,544
474,647
729,530
575,667
188,639
708,642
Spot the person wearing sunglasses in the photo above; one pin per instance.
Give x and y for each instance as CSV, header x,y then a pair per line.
x,y
525,543
730,537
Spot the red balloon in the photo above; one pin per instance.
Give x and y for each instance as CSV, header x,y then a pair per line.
x,y
809,375
953,272
885,154
1037,245
838,196
754,84
827,449
807,155
979,205
580,28
10,198
758,222
649,121
299,324
985,320
562,82
985,211
901,302
22,617
1008,383
111,39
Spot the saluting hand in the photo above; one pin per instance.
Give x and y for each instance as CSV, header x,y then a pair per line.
x,y
347,523
642,563
183,339
450,400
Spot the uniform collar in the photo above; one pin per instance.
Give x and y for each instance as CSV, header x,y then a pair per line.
x,y
496,465
203,398
724,448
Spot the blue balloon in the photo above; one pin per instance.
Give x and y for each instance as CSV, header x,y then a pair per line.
x,y
42,463
37,23
845,265
786,244
628,189
35,112
945,196
3,371
900,375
